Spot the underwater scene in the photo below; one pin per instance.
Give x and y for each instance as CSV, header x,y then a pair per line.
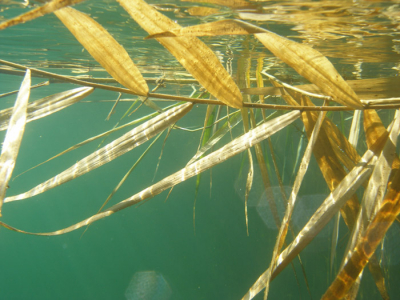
x,y
199,149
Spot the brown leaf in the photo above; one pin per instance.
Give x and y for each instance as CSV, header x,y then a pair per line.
x,y
38,12
365,247
366,89
192,53
307,61
320,218
311,64
104,48
202,11
229,3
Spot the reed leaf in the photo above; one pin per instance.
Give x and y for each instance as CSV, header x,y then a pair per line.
x,y
325,154
307,61
104,134
292,200
104,49
228,3
116,148
47,106
197,58
47,8
249,184
355,129
336,199
374,193
366,89
365,246
231,149
13,138
217,136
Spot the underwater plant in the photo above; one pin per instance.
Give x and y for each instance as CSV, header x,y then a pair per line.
x,y
242,110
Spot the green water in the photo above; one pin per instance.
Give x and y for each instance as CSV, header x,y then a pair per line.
x,y
155,246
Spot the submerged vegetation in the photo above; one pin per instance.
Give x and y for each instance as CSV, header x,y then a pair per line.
x,y
360,166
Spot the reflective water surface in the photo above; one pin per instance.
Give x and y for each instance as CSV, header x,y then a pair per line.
x,y
195,244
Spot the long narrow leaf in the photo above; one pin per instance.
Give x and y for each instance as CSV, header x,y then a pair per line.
x,y
229,150
320,218
193,54
38,12
104,49
47,106
293,196
116,148
376,230
307,61
15,131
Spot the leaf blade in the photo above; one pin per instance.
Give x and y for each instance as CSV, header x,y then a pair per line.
x,y
193,54
104,49
15,131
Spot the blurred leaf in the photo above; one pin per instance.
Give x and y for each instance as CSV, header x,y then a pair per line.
x,y
317,222
307,61
13,138
249,184
116,148
365,247
366,89
292,199
47,106
202,11
38,12
229,3
231,149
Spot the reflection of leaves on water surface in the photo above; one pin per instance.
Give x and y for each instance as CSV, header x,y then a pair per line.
x,y
339,23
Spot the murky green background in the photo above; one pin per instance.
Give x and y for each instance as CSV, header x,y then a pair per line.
x,y
155,246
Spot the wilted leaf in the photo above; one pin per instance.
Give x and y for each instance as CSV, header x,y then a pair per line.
x,y
104,49
229,150
38,12
192,53
373,195
48,105
338,197
202,11
365,247
355,129
293,197
217,136
366,89
307,61
104,134
116,148
13,138
331,150
229,3
249,184
311,64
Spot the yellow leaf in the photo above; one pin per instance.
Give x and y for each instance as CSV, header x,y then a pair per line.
x,y
229,3
104,49
313,66
202,11
38,12
193,54
307,61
